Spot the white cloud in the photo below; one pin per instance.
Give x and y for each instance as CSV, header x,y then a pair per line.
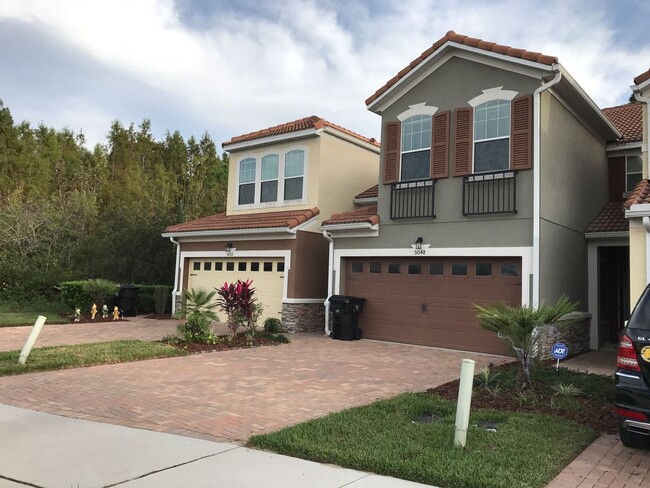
x,y
241,73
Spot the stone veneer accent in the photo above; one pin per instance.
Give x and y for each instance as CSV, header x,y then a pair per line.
x,y
576,336
178,300
303,317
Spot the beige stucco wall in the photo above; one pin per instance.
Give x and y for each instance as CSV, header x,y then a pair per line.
x,y
638,282
574,188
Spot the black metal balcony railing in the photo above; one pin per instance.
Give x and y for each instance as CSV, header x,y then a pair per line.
x,y
490,193
412,199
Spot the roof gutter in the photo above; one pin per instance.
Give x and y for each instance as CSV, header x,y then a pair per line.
x,y
537,183
176,272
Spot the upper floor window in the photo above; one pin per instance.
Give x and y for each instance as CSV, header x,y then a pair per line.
x,y
416,148
247,171
492,136
294,170
633,171
269,185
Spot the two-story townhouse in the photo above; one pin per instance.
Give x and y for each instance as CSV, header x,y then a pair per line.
x,y
282,180
493,163
637,206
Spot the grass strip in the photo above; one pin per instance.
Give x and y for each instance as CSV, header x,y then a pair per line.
x,y
80,355
527,450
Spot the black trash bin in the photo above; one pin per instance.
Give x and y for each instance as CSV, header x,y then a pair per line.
x,y
345,314
126,300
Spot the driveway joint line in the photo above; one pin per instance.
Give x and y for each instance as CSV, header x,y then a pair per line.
x,y
26,483
354,481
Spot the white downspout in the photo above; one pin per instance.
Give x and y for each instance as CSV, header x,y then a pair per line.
x,y
645,151
646,226
330,281
537,180
176,271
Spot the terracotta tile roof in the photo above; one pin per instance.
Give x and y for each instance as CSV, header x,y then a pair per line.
x,y
628,119
266,220
610,219
364,214
372,192
312,122
640,194
467,41
642,77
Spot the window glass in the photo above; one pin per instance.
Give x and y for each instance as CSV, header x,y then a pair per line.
x,y
294,163
196,266
230,266
492,155
436,268
357,267
509,269
269,191
492,136
633,172
416,145
279,267
269,187
218,266
207,266
293,188
374,268
255,266
414,269
241,266
483,269
268,266
394,268
246,194
458,269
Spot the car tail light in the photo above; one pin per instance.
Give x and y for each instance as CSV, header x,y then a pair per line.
x,y
626,358
630,414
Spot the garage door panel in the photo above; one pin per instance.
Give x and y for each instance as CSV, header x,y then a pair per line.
x,y
433,309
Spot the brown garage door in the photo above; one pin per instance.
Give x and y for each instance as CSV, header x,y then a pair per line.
x,y
429,301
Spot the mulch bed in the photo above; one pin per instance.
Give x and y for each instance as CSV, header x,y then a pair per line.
x,y
597,415
238,342
88,320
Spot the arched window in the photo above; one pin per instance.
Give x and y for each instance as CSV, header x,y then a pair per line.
x,y
416,148
247,170
269,186
294,171
492,136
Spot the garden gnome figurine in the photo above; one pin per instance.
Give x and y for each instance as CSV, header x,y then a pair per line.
x,y
104,311
116,313
93,311
77,314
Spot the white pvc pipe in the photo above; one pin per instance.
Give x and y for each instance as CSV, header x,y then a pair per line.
x,y
33,335
330,271
464,402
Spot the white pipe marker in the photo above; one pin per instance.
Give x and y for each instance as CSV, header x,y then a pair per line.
x,y
33,335
464,402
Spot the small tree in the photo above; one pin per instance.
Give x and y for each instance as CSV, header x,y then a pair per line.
x,y
237,300
518,326
198,311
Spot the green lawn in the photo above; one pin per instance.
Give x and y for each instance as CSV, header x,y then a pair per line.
x,y
526,451
14,315
63,357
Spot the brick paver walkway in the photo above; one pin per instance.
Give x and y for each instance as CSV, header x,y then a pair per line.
x,y
231,395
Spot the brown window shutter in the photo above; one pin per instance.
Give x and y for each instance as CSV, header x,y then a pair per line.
x,y
463,141
392,154
440,145
521,130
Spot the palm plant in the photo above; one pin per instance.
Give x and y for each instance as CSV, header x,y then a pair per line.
x,y
518,326
198,310
100,289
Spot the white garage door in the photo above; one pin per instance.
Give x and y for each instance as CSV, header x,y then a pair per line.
x,y
267,275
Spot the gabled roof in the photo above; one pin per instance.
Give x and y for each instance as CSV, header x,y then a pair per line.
x,y
642,77
312,122
267,220
372,192
611,218
451,36
360,216
628,119
640,194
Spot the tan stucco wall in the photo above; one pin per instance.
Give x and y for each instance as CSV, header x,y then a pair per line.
x,y
574,187
638,282
310,145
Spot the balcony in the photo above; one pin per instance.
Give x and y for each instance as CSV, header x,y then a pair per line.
x,y
490,193
412,199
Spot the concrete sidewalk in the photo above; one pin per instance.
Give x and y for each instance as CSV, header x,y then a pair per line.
x,y
43,450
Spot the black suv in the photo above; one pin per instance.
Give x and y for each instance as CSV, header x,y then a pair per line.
x,y
633,377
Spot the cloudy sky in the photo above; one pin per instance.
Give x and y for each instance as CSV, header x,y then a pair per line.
x,y
230,67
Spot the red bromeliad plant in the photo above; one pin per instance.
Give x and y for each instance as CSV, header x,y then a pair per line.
x,y
238,302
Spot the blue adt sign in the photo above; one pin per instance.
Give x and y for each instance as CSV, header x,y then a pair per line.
x,y
559,351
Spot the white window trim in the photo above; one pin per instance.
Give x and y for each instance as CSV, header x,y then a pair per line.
x,y
490,95
413,111
634,173
258,180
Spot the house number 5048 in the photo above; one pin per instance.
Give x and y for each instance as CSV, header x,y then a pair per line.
x,y
420,252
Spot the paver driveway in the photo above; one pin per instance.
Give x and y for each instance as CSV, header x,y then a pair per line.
x,y
231,395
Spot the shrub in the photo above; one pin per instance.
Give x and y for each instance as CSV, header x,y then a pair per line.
x,y
99,290
272,324
75,294
161,295
147,299
238,302
199,314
